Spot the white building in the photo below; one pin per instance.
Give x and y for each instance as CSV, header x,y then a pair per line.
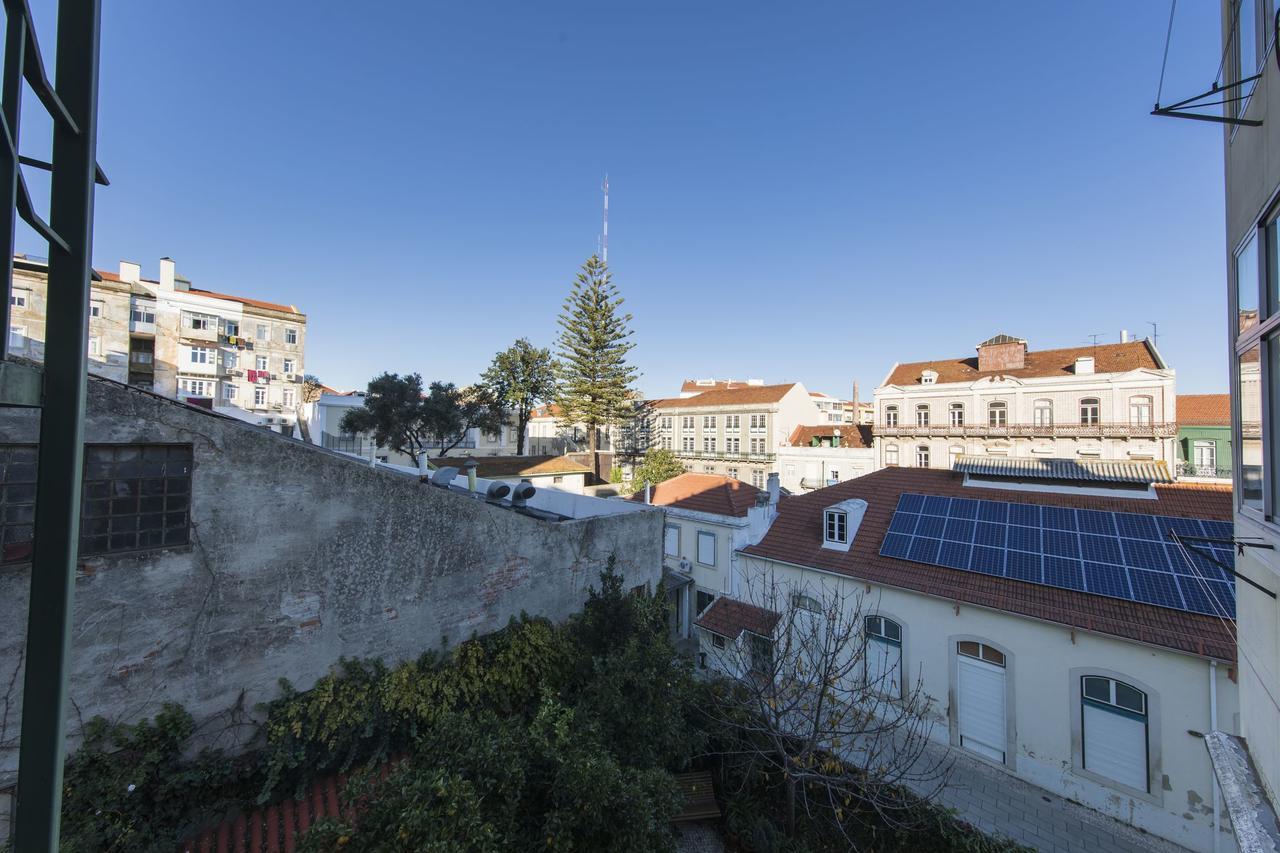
x,y
1111,401
559,473
1029,667
815,457
832,410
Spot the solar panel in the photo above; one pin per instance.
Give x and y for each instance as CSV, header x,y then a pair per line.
x,y
1116,554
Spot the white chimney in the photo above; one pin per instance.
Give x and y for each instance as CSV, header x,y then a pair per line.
x,y
755,381
774,488
1084,365
166,274
1124,336
130,272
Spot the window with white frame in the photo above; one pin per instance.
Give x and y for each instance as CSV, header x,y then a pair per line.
x,y
201,355
731,472
759,445
891,416
808,603
199,322
957,414
197,387
882,658
997,414
19,298
259,396
1113,724
1042,413
708,469
833,476
664,422
260,362
922,456
290,335
835,526
143,314
706,548
1090,411
288,365
264,332
671,540
95,345
757,478
701,601
686,422
288,396
708,421
733,421
732,444
686,444
756,423
1140,411
665,442
708,444
229,358
891,454
922,415
95,309
1204,454
17,337
231,328
229,391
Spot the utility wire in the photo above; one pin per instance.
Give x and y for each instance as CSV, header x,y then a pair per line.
x,y
1168,35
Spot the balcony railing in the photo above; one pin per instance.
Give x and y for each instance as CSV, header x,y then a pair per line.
x,y
1101,430
726,455
1190,469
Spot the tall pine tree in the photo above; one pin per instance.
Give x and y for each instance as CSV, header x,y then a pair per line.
x,y
595,378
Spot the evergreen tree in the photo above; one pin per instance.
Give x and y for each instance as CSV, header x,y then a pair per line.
x,y
595,377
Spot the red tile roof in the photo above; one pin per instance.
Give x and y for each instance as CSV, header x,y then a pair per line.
x,y
796,537
257,303
737,395
703,493
1204,410
1108,358
729,617
490,467
550,410
851,435
696,386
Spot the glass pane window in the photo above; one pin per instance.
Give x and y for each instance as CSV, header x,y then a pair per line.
x,y
1090,411
1249,415
997,415
922,415
957,414
1246,42
922,457
1247,286
891,416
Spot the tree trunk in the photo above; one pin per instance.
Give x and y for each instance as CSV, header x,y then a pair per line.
x,y
593,442
791,805
522,424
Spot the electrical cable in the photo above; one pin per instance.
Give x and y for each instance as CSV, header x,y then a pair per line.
x,y
1168,35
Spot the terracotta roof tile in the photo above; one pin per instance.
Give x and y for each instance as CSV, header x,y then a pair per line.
x,y
490,467
729,617
257,303
703,493
1108,358
740,395
698,386
1204,410
796,537
851,435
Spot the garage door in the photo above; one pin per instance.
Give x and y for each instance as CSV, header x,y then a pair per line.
x,y
980,694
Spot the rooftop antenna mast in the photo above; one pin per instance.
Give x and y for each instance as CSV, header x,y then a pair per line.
x,y
1155,333
1095,337
604,238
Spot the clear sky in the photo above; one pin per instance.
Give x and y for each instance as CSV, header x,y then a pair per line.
x,y
800,191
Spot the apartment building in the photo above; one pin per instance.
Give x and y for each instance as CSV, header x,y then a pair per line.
x,y
732,431
815,457
1249,767
1110,402
832,410
1204,436
239,356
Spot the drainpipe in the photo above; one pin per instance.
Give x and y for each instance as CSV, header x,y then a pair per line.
x,y
648,494
470,467
1213,727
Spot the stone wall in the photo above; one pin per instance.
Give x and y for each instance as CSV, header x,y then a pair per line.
x,y
298,556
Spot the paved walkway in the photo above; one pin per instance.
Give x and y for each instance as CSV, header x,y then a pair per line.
x,y
1001,804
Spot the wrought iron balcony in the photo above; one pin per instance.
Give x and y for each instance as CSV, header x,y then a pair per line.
x,y
725,455
1190,469
1163,429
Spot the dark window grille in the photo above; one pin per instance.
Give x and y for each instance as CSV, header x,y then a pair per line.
x,y
134,497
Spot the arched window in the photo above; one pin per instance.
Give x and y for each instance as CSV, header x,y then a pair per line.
x,y
1042,413
957,414
891,416
1113,725
922,415
882,658
922,456
891,454
1140,411
1090,411
997,414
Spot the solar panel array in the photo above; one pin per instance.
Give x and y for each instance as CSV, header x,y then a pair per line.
x,y
1116,554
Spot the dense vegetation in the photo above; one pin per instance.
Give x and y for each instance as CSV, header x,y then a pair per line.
x,y
540,736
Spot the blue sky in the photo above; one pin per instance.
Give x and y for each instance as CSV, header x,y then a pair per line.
x,y
799,191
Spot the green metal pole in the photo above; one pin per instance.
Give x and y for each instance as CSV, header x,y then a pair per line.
x,y
57,521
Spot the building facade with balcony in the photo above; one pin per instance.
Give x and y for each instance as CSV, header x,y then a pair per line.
x,y
239,356
735,432
815,457
1110,401
1204,436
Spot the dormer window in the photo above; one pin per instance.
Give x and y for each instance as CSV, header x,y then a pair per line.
x,y
928,377
836,527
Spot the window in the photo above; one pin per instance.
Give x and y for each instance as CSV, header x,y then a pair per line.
x,y
702,600
1205,457
757,423
1113,725
259,396
201,355
733,444
133,496
229,391
143,314
708,421
231,328
199,322
922,456
197,387
290,335
288,365
928,377
95,345
95,309
708,444
836,526
1042,413
686,422
260,362
717,641
733,421
1246,45
957,414
731,472
706,548
19,298
757,478
1090,411
264,332
686,444
287,398
708,469
882,657
1140,411
997,414
671,540
665,442
833,476
922,415
981,651
891,454
891,416
664,422
759,445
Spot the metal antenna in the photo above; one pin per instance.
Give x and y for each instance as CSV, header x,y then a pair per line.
x,y
604,239
1155,333
1095,337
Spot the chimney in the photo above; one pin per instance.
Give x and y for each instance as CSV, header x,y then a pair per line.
x,y
166,274
1124,336
1003,352
1084,365
773,487
130,272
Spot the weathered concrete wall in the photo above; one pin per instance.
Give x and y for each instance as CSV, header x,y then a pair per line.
x,y
298,557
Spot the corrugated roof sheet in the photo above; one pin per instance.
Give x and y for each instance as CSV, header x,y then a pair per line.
x,y
1095,470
